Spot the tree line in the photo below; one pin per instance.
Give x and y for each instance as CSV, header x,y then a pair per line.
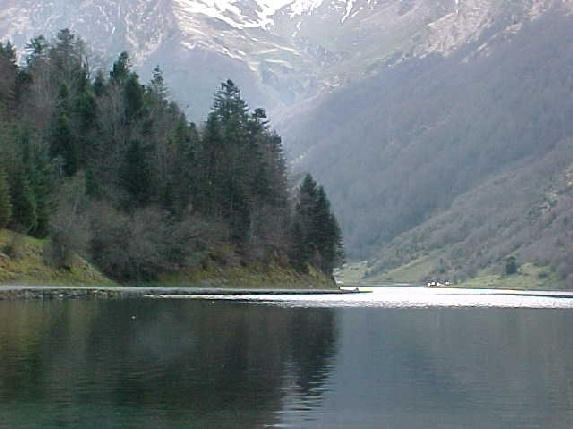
x,y
109,168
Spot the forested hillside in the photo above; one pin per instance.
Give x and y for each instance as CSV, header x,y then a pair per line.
x,y
411,144
110,169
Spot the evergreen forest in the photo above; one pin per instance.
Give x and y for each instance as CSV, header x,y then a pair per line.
x,y
107,168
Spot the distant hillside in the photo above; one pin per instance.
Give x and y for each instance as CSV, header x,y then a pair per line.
x,y
400,152
400,109
524,212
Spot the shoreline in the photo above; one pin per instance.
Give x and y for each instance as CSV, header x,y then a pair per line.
x,y
114,292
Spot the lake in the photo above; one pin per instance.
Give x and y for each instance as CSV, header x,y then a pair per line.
x,y
396,358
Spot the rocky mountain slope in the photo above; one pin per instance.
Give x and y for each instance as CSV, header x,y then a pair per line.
x,y
523,212
279,51
463,159
406,110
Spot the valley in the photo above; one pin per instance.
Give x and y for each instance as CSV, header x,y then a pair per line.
x,y
438,128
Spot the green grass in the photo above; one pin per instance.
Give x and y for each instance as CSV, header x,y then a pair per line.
x,y
252,276
22,262
412,272
528,277
356,273
352,272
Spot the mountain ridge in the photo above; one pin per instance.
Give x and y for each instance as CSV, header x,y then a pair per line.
x,y
400,107
280,51
435,131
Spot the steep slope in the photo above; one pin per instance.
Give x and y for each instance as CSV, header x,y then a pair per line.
x,y
23,262
397,149
524,212
279,51
399,107
190,46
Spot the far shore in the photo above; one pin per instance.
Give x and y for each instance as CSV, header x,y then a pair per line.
x,y
70,292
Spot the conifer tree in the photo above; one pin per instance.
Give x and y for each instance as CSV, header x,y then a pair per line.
x,y
63,145
24,215
157,85
133,94
5,204
136,174
143,162
99,84
316,237
68,63
36,51
8,79
299,252
120,69
183,188
225,142
40,173
229,107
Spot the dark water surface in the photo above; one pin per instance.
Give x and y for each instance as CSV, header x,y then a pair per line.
x,y
234,364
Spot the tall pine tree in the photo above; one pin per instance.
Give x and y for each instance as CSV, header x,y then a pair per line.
x,y
136,174
316,236
24,213
5,204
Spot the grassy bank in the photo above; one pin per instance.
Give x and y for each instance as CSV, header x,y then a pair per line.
x,y
22,262
527,277
413,272
252,276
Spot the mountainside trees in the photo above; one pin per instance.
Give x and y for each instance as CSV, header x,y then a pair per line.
x,y
426,132
112,163
316,235
5,204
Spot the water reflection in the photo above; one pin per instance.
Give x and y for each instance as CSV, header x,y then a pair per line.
x,y
137,363
423,368
220,364
411,297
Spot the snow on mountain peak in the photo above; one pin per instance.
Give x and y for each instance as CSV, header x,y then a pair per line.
x,y
298,7
289,48
239,14
228,11
268,8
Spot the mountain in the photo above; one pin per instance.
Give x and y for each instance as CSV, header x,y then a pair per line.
x,y
524,212
454,156
405,110
280,52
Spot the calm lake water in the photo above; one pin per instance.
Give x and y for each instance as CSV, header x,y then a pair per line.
x,y
398,358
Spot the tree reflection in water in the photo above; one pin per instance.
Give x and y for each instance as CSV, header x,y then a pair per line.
x,y
158,363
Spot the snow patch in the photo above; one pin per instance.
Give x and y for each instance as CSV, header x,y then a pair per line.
x,y
231,13
224,10
349,5
298,7
267,10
